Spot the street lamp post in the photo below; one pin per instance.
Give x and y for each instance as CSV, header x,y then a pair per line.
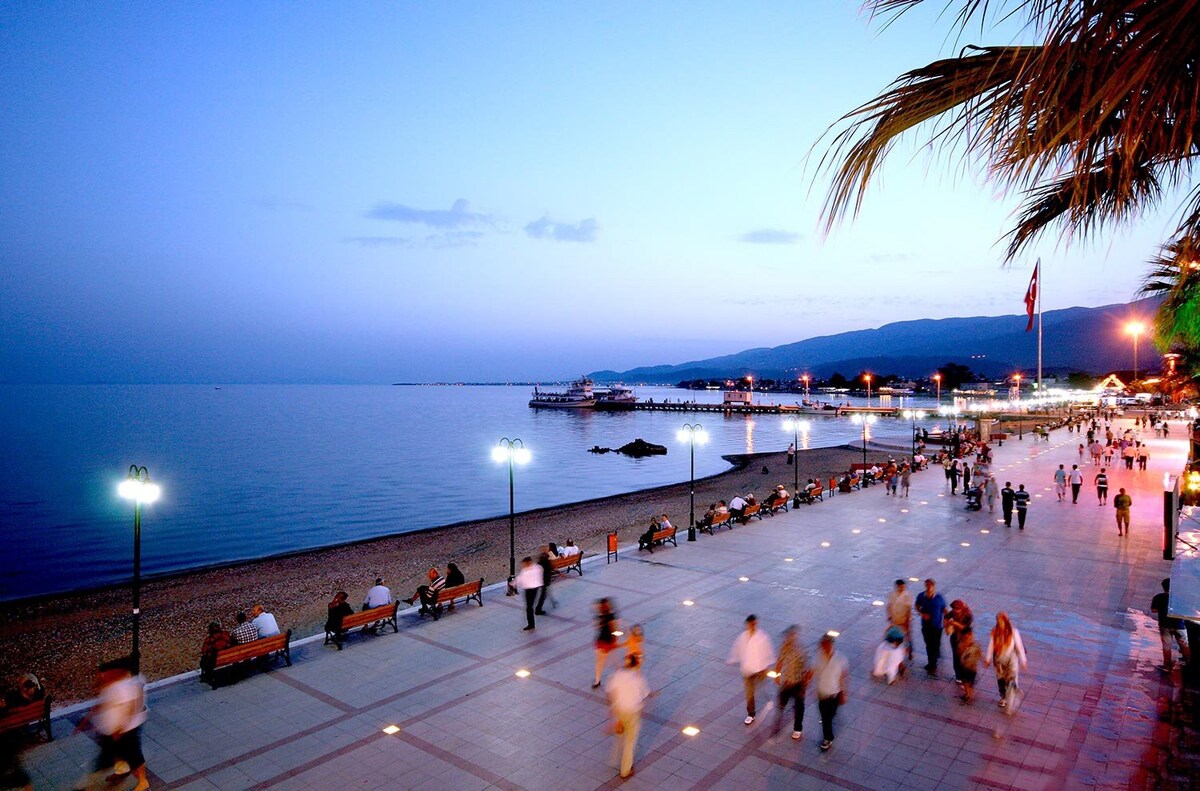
x,y
914,415
692,434
795,425
937,378
867,378
137,487
865,420
1135,328
805,380
514,452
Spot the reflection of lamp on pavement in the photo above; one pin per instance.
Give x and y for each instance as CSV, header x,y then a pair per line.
x,y
692,434
137,487
867,379
514,452
865,420
805,379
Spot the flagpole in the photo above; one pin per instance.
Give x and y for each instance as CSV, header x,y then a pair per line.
x,y
1039,306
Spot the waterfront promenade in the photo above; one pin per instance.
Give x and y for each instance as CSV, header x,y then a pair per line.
x,y
1078,593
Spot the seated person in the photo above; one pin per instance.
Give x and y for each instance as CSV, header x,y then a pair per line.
x,y
28,690
428,593
874,472
664,523
378,595
844,483
778,497
246,631
264,621
218,640
454,577
554,553
722,508
570,549
707,519
889,655
646,540
737,507
338,608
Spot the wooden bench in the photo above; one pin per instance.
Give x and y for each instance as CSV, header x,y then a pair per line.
x,y
660,537
267,648
36,713
385,613
812,495
751,510
775,505
568,563
719,520
856,482
466,592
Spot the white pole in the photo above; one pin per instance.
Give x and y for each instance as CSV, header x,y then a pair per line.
x,y
1039,300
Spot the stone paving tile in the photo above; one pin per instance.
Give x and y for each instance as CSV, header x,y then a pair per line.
x,y
1076,591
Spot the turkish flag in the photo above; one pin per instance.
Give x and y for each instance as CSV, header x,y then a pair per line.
x,y
1031,295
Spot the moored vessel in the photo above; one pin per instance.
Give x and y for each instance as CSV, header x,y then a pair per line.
x,y
578,396
616,398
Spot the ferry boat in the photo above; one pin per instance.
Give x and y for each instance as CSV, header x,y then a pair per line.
x,y
578,396
616,398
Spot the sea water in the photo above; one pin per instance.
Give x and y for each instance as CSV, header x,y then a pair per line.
x,y
249,471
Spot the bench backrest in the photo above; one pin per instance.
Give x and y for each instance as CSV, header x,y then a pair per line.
x,y
263,645
855,481
19,716
670,531
565,561
380,613
458,591
752,509
720,518
816,491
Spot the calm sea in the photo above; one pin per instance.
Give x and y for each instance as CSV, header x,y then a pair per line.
x,y
255,470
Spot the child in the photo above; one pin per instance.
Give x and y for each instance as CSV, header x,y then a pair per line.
x,y
889,655
969,656
633,644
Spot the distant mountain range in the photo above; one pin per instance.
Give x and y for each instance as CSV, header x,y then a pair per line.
x,y
1092,340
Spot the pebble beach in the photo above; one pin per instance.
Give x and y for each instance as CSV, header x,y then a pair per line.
x,y
62,638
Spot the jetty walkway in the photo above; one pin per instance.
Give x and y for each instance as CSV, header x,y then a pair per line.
x,y
761,409
465,720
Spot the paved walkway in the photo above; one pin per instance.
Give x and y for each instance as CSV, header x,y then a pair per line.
x,y
1076,591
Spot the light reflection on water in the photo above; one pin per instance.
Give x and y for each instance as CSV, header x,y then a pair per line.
x,y
253,470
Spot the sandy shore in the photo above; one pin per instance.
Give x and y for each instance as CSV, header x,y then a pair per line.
x,y
62,638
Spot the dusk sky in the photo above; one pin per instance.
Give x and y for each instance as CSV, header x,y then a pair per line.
x,y
379,192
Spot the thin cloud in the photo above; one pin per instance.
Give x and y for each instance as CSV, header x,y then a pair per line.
x,y
457,216
770,236
436,241
546,228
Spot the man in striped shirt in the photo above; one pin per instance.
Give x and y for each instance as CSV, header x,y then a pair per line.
x,y
428,593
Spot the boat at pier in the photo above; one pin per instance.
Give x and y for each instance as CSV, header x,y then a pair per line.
x,y
578,396
617,398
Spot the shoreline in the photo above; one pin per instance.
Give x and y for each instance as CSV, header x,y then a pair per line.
x,y
62,637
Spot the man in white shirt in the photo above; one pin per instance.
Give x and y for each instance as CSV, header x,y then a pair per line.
x,y
832,676
1076,483
753,654
378,595
569,550
264,621
530,580
117,717
737,507
627,689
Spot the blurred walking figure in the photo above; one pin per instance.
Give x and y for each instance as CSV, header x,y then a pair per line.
x,y
117,718
547,572
832,675
1007,652
753,654
958,620
793,676
1123,503
529,581
968,660
899,610
606,641
1102,487
627,691
932,607
889,655
1168,627
1060,482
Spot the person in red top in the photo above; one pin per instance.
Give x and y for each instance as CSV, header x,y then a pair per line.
x,y
218,639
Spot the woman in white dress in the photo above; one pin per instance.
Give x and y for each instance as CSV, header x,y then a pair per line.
x,y
1007,652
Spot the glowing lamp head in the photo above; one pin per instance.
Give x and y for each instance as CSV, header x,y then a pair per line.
x,y
499,453
139,490
694,434
522,455
1135,328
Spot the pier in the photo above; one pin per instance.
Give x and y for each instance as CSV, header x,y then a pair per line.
x,y
763,409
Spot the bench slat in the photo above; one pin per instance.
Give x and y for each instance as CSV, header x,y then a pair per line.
x,y
37,713
384,612
466,592
274,646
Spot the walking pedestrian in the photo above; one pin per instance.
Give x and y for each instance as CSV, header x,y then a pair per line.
x,y
991,490
606,641
1102,487
793,674
905,480
753,654
1123,503
958,619
1007,498
627,692
1081,453
899,609
832,674
117,718
969,656
932,608
1143,456
1060,482
791,453
1168,628
1021,500
1006,650
543,562
529,580
955,471
1076,483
